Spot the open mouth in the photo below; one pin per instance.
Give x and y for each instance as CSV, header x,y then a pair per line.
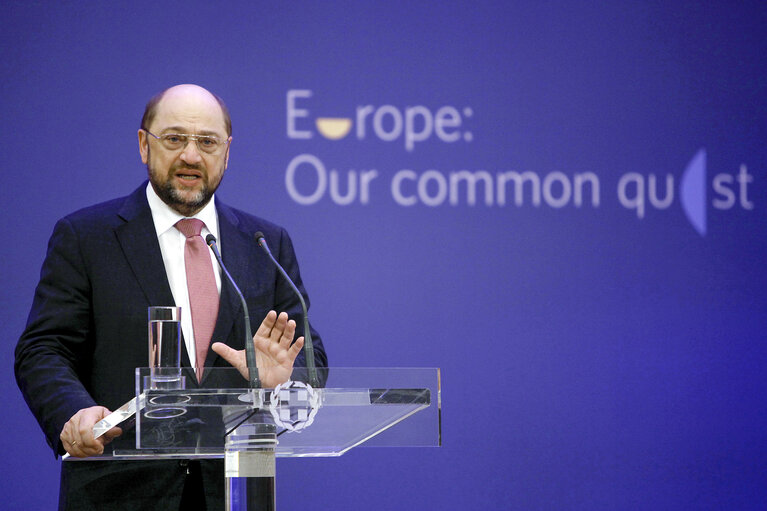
x,y
188,175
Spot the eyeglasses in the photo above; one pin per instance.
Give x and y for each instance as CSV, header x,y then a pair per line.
x,y
205,143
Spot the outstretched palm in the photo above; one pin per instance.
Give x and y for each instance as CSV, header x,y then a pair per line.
x,y
275,350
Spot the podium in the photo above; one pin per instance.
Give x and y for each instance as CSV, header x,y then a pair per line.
x,y
249,428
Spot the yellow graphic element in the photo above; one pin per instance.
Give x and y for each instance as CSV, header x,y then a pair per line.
x,y
334,128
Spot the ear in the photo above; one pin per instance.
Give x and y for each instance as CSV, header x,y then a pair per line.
x,y
228,145
143,146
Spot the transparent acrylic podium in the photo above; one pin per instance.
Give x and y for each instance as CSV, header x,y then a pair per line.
x,y
222,418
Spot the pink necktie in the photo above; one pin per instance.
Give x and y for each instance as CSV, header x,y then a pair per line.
x,y
201,282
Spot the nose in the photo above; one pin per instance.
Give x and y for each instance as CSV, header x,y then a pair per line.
x,y
191,153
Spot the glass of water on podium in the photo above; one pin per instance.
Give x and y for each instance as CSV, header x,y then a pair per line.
x,y
165,348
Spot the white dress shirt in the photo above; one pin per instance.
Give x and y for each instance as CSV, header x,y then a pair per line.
x,y
172,247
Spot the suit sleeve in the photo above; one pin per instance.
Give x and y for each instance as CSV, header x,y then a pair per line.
x,y
56,344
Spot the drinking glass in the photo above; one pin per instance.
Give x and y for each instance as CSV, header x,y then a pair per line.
x,y
165,347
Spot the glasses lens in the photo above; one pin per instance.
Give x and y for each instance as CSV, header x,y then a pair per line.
x,y
173,141
208,144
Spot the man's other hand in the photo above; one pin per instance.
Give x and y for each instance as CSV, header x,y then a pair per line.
x,y
77,435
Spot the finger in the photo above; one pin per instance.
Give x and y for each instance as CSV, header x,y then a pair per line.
x,y
265,328
85,423
279,327
282,335
235,357
228,353
73,449
66,436
74,426
70,435
78,449
87,442
110,435
285,353
287,334
92,451
295,349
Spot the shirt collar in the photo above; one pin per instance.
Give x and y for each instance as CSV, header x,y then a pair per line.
x,y
165,217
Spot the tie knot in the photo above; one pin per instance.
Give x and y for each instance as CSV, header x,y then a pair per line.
x,y
190,227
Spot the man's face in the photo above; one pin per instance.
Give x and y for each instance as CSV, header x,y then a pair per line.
x,y
186,178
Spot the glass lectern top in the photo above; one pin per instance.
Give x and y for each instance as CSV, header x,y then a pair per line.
x,y
354,406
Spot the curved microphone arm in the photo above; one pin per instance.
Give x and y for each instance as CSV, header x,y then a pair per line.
x,y
250,351
308,346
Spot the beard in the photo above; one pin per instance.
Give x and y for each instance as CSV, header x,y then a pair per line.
x,y
178,199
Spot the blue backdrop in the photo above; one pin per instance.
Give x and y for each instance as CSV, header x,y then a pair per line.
x,y
561,204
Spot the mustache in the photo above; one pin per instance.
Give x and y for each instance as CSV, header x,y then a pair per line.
x,y
186,166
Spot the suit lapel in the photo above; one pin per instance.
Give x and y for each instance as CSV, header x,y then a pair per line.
x,y
138,240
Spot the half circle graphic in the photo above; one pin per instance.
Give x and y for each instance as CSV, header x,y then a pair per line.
x,y
693,191
333,128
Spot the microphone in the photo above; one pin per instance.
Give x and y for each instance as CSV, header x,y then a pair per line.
x,y
250,351
308,346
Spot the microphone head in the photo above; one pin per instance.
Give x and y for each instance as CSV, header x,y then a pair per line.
x,y
210,239
260,238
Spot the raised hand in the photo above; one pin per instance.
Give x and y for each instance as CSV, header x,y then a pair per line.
x,y
275,350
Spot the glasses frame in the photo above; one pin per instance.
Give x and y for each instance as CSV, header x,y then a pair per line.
x,y
188,137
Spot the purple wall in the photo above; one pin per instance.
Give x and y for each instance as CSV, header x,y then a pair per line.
x,y
601,334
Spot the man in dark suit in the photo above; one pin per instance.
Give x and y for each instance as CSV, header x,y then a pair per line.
x,y
106,264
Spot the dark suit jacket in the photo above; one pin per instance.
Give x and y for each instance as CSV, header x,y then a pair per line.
x,y
87,331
